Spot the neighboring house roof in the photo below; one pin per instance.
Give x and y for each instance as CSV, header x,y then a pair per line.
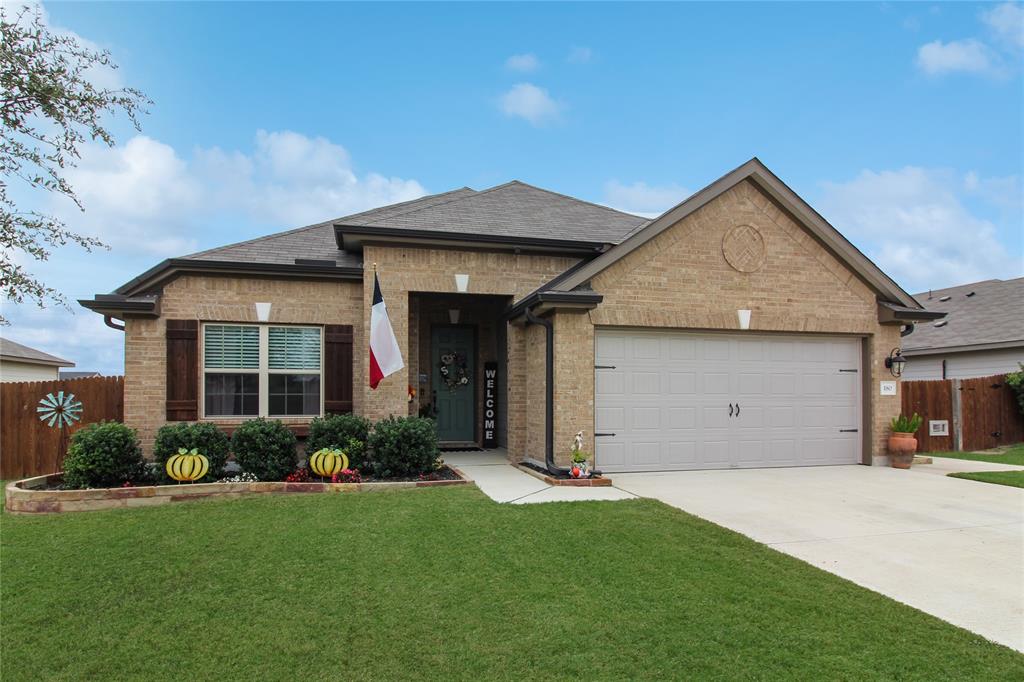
x,y
11,350
978,315
78,375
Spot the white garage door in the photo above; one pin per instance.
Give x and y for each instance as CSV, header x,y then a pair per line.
x,y
676,400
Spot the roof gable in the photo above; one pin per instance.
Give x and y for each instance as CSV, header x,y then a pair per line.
x,y
766,181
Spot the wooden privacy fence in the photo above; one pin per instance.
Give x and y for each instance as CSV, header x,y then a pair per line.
x,y
28,447
980,413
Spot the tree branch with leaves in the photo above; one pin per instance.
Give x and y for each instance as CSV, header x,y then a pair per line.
x,y
49,110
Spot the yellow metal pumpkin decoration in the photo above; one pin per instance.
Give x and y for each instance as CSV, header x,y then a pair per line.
x,y
187,465
327,462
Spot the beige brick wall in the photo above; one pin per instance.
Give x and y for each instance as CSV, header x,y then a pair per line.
x,y
226,299
681,279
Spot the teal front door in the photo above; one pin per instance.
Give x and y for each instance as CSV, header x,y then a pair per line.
x,y
453,355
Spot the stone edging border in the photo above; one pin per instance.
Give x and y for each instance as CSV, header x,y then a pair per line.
x,y
27,497
598,482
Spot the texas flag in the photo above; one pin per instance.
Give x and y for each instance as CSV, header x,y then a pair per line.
x,y
385,357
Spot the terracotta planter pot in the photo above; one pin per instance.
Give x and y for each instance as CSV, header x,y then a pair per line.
x,y
902,447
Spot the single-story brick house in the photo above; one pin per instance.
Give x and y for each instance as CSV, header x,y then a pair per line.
x,y
738,329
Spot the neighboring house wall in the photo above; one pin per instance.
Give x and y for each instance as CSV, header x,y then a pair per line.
x,y
963,365
228,299
681,280
11,370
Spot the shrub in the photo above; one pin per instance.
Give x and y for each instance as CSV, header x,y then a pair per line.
x,y
339,431
104,455
403,447
203,436
347,476
904,424
265,448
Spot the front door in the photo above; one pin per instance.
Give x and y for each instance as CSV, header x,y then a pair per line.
x,y
453,361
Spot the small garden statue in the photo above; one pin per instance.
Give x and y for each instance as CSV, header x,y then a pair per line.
x,y
580,460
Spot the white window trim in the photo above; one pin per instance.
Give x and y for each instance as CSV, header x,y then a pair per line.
x,y
263,371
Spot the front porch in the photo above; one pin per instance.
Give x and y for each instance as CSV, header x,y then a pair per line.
x,y
457,361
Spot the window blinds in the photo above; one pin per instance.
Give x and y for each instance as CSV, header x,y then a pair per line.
x,y
294,348
231,347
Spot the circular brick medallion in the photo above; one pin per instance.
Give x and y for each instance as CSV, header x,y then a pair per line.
x,y
743,248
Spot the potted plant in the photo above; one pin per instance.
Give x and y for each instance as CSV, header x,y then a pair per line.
x,y
580,467
902,443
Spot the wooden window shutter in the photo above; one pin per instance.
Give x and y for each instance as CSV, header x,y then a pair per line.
x,y
182,370
337,368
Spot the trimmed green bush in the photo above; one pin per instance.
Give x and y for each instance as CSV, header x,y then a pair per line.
x,y
203,436
265,448
104,455
1015,380
346,431
403,447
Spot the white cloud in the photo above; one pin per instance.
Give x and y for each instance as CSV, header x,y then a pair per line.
x,y
967,56
580,55
643,199
522,62
915,225
81,338
145,189
527,101
1006,22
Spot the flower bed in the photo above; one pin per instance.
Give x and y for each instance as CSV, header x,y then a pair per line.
x,y
42,495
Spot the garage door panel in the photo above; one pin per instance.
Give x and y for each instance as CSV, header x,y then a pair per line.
x,y
716,383
667,400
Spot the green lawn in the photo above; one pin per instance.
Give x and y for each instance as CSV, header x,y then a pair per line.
x,y
1015,455
442,583
1012,478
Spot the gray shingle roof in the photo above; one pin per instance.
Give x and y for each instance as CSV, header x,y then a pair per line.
x,y
15,351
514,209
313,242
992,315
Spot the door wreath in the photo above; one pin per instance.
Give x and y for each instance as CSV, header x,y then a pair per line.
x,y
454,372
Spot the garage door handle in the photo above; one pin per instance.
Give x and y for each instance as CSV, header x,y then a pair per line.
x,y
600,435
737,409
847,430
730,409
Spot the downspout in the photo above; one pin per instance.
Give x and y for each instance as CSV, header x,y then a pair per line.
x,y
909,329
549,393
109,321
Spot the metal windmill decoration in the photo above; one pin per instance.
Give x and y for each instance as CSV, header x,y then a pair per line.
x,y
60,411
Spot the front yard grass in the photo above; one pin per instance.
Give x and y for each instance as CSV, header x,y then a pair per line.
x,y
444,584
1013,455
1011,478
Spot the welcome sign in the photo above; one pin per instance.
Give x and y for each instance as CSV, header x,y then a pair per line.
x,y
490,439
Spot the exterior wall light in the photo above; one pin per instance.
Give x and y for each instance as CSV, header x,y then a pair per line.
x,y
453,315
744,318
895,362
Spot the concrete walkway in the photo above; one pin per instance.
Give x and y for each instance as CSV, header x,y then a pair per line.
x,y
502,482
953,548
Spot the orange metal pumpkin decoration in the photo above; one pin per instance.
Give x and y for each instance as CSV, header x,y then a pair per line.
x,y
327,462
187,465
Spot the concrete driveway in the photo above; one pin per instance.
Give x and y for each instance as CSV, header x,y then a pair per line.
x,y
950,547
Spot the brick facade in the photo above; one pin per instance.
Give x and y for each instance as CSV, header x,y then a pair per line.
x,y
681,279
225,299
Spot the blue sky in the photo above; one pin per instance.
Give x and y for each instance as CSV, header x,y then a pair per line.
x,y
901,123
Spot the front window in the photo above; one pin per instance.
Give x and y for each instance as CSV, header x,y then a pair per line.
x,y
259,370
